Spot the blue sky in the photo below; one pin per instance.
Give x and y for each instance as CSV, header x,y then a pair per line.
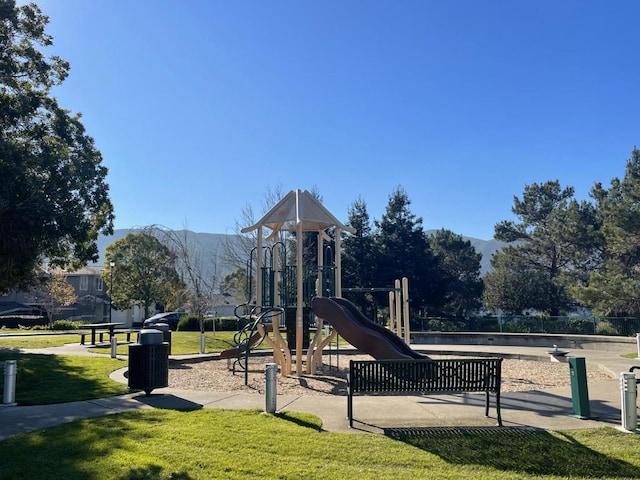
x,y
200,106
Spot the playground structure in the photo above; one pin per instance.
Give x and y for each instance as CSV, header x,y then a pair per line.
x,y
284,286
284,293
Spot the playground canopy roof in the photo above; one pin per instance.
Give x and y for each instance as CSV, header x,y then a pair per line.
x,y
298,207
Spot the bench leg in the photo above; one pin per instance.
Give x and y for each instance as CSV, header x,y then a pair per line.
x,y
498,412
82,336
486,404
350,409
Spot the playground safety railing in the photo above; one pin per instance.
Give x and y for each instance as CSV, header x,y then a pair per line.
x,y
245,338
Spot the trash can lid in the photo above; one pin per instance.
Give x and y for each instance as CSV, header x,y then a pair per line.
x,y
150,336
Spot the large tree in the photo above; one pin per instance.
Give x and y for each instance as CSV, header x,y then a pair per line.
x,y
458,265
143,272
403,251
53,195
613,287
236,284
359,257
514,285
359,253
550,237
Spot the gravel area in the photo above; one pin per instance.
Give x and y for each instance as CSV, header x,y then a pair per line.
x,y
215,375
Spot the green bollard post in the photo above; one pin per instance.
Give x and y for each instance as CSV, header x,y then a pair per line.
x,y
579,390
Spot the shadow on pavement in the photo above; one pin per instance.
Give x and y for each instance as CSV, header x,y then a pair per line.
x,y
168,402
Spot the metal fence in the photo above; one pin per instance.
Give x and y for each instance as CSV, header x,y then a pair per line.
x,y
614,326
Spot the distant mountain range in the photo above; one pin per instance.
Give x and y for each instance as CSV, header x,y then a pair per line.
x,y
214,244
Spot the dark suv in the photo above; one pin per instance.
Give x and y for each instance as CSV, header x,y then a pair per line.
x,y
170,318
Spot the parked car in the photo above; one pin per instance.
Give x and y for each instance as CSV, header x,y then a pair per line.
x,y
170,318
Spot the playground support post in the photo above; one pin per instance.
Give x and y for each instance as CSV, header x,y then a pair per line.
x,y
392,309
398,305
405,310
299,299
258,269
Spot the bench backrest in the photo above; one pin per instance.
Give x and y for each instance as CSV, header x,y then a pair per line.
x,y
438,376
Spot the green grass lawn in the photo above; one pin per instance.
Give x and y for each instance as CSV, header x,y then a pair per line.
x,y
45,379
23,331
38,340
185,343
225,444
182,343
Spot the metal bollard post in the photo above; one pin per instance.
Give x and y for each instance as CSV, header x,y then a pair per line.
x,y
271,372
114,346
628,397
202,343
10,370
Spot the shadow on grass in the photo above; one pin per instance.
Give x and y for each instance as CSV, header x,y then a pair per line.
x,y
522,450
153,472
87,449
47,379
293,418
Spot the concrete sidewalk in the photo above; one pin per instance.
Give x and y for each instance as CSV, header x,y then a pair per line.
x,y
551,409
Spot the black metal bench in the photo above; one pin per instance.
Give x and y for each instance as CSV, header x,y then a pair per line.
x,y
421,377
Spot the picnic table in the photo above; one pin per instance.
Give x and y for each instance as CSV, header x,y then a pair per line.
x,y
101,326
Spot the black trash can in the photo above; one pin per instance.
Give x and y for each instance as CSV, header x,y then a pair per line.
x,y
149,362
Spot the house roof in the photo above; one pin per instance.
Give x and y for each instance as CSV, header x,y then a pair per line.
x,y
87,270
15,308
298,207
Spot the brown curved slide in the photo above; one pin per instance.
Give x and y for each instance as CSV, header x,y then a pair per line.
x,y
362,333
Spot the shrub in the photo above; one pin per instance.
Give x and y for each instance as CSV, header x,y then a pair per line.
x,y
189,323
63,325
522,325
606,328
578,326
484,324
230,324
